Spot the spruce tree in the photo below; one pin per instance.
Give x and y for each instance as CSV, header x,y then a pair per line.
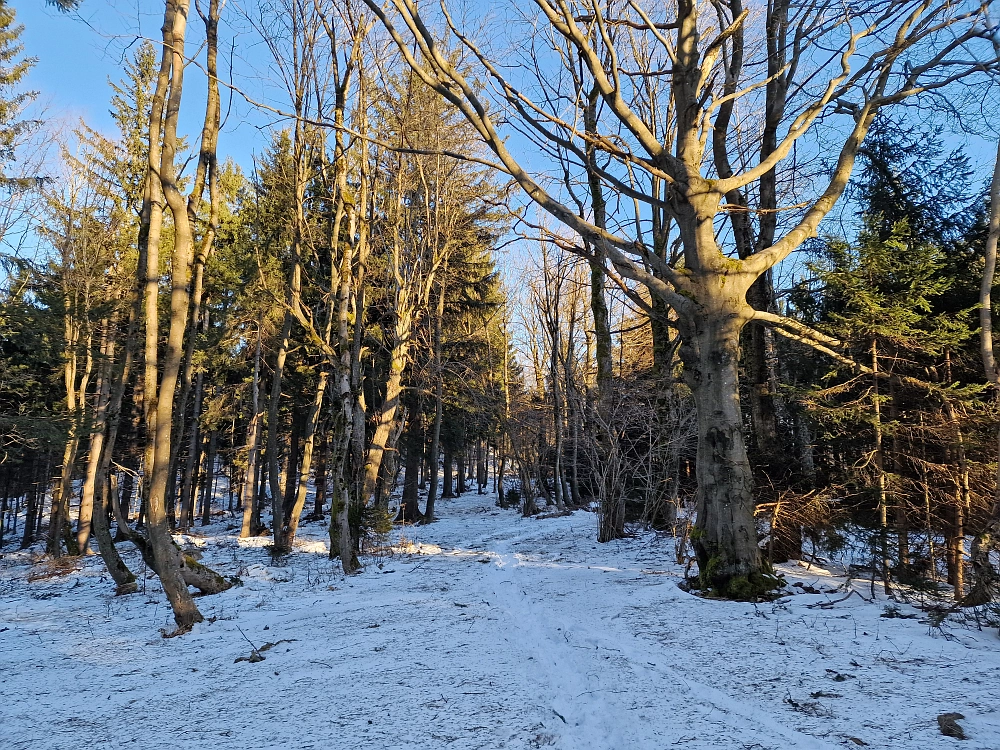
x,y
900,437
14,100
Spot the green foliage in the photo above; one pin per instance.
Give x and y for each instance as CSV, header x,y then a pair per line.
x,y
511,498
30,349
65,5
881,289
901,296
131,104
13,100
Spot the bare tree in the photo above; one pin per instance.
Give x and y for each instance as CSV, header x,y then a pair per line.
x,y
842,64
175,570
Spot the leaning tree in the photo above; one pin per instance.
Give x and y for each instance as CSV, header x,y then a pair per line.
x,y
705,116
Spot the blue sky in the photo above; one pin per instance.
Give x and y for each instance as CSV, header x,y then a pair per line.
x,y
77,54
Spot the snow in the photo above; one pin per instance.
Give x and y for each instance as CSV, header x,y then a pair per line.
x,y
482,630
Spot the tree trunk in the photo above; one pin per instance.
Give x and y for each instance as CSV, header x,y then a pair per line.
x,y
59,527
290,467
900,505
725,536
804,443
763,410
173,568
273,406
322,464
557,418
389,470
32,505
285,536
208,483
97,436
956,535
251,501
382,439
192,461
126,491
435,451
461,472
76,401
611,521
447,483
883,501
480,468
984,575
125,582
409,509
347,451
955,543
261,484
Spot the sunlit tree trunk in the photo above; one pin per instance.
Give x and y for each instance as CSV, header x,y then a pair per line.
x,y
386,425
984,584
77,333
172,567
98,428
435,450
884,562
250,497
208,484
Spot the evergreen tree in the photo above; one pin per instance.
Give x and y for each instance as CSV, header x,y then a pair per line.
x,y
900,437
13,100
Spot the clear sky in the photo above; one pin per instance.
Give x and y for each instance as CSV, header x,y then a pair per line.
x,y
78,52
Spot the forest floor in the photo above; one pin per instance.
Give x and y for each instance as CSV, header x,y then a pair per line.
x,y
482,630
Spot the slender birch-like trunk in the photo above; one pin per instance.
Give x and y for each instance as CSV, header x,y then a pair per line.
x,y
250,499
98,428
435,453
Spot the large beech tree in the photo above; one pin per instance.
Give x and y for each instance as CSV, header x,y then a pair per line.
x,y
704,112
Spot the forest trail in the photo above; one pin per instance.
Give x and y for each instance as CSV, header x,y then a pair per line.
x,y
482,630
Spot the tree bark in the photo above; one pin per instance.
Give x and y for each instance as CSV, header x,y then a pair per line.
x,y
884,563
409,509
208,482
192,460
460,470
285,535
273,406
984,584
382,439
168,557
956,533
32,505
435,451
448,485
725,537
97,434
250,497
322,471
75,326
173,568
125,582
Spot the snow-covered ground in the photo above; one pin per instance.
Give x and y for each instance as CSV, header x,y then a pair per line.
x,y
483,630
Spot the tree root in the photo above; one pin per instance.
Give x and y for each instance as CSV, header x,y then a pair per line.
x,y
203,578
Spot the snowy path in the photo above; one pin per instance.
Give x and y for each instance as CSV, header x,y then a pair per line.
x,y
489,631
